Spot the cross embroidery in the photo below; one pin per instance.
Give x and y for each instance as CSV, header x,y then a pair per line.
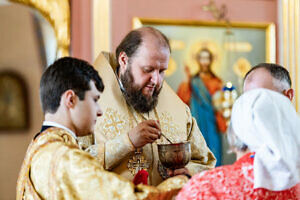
x,y
114,123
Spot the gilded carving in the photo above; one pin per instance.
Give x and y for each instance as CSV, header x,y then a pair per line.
x,y
57,12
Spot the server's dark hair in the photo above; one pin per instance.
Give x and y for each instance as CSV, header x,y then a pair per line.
x,y
66,74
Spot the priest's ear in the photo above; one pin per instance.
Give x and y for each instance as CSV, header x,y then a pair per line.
x,y
69,98
289,93
123,61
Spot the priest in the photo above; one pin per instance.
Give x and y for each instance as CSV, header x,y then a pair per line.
x,y
139,106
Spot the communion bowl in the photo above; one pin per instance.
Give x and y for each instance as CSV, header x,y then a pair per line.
x,y
174,156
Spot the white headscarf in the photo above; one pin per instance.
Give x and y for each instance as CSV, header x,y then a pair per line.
x,y
268,124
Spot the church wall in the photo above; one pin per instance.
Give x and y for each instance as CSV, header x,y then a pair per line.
x,y
19,53
123,11
81,29
25,58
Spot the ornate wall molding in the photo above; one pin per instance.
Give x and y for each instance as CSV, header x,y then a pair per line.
x,y
289,55
57,12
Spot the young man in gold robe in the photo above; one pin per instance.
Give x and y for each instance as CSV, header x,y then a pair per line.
x,y
139,106
54,167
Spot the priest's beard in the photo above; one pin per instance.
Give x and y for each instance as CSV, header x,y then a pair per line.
x,y
134,96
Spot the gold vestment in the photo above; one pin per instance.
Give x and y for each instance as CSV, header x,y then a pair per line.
x,y
115,150
55,168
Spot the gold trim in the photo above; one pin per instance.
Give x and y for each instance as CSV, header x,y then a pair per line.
x,y
297,16
101,26
269,27
57,12
285,31
270,43
290,21
138,22
291,38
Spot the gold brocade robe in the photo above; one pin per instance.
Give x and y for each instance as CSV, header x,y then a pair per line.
x,y
118,118
55,168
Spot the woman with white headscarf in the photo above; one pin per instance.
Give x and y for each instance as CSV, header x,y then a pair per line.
x,y
265,134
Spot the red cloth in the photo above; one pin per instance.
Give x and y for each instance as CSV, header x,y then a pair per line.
x,y
185,92
141,177
232,182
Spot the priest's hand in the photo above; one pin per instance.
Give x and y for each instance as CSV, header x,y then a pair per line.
x,y
145,132
182,171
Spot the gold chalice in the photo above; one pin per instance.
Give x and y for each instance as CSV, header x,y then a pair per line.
x,y
175,155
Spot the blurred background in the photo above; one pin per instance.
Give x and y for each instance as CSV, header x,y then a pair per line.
x,y
34,33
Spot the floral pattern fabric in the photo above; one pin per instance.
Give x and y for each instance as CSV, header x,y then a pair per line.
x,y
232,182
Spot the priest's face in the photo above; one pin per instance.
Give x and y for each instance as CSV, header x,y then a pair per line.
x,y
85,112
143,74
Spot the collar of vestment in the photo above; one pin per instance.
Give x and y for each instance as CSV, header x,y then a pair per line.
x,y
55,124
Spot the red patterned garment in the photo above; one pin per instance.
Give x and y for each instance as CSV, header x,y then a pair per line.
x,y
232,182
